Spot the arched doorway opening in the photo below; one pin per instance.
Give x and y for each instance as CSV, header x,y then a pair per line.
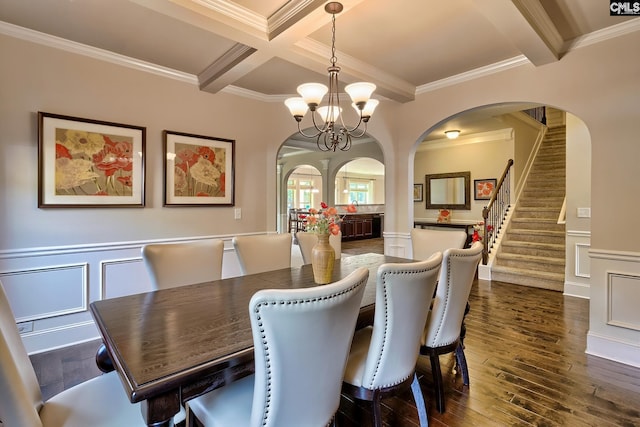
x,y
364,166
490,135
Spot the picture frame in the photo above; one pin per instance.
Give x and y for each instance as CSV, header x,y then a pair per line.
x,y
418,192
89,163
198,170
483,188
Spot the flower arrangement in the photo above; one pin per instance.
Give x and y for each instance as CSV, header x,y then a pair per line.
x,y
478,231
326,219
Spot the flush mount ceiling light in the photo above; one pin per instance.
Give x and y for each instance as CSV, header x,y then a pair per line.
x,y
332,133
452,134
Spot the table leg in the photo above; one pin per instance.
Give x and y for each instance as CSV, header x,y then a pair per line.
x,y
160,410
103,360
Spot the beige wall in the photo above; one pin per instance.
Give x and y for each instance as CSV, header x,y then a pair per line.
x,y
598,84
484,160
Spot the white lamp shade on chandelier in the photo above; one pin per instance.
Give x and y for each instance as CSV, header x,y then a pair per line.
x,y
332,133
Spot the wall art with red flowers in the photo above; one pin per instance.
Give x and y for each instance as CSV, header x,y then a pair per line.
x,y
199,170
89,163
483,188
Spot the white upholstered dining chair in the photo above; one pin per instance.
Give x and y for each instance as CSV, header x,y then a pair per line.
x,y
442,330
383,357
425,242
307,240
264,252
99,402
184,263
301,340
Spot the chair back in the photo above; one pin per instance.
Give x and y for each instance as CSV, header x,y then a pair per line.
x,y
177,264
301,343
454,286
20,396
263,252
307,240
403,297
425,242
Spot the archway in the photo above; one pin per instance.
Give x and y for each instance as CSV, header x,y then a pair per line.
x,y
297,151
490,132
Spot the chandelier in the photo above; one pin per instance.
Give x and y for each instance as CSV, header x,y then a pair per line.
x,y
332,133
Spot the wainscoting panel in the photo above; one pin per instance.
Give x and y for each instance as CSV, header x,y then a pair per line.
x,y
50,289
123,277
614,329
624,300
583,264
41,293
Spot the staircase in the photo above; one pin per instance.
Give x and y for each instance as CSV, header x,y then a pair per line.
x,y
532,252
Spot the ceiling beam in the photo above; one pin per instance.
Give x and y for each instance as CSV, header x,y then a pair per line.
x,y
527,25
283,35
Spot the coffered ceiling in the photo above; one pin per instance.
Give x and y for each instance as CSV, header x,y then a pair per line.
x,y
265,48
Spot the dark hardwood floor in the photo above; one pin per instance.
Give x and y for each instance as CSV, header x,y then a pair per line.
x,y
525,351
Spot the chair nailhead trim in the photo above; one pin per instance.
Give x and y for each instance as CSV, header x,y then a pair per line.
x,y
265,341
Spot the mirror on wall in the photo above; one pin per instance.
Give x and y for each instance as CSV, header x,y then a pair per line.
x,y
448,190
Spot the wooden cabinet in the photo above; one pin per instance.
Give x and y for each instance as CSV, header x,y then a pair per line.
x,y
360,226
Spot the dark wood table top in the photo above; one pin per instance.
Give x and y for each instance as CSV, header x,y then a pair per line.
x,y
185,341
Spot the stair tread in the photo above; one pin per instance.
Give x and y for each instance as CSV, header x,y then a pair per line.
x,y
536,232
530,258
527,272
534,245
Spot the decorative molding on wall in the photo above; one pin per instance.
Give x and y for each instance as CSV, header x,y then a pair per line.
x,y
102,247
96,53
60,336
582,263
579,233
258,22
476,138
118,275
397,244
46,292
613,349
622,309
507,64
615,255
578,290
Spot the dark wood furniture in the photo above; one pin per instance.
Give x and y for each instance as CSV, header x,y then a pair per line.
x,y
354,226
171,345
360,226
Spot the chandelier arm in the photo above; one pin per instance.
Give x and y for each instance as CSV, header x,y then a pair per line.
x,y
309,136
325,126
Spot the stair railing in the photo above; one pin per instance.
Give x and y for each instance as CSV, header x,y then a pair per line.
x,y
495,212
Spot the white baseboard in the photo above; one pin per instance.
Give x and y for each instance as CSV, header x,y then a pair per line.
x,y
578,290
611,349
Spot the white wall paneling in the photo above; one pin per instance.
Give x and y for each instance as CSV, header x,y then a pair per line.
x,y
615,297
583,264
41,293
624,300
123,277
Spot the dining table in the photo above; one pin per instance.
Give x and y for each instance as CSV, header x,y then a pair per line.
x,y
171,345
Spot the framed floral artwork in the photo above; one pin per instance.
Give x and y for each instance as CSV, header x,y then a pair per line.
x,y
417,192
483,188
198,170
89,163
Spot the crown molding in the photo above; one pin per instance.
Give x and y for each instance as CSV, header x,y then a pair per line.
x,y
487,70
612,32
237,13
93,52
476,138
